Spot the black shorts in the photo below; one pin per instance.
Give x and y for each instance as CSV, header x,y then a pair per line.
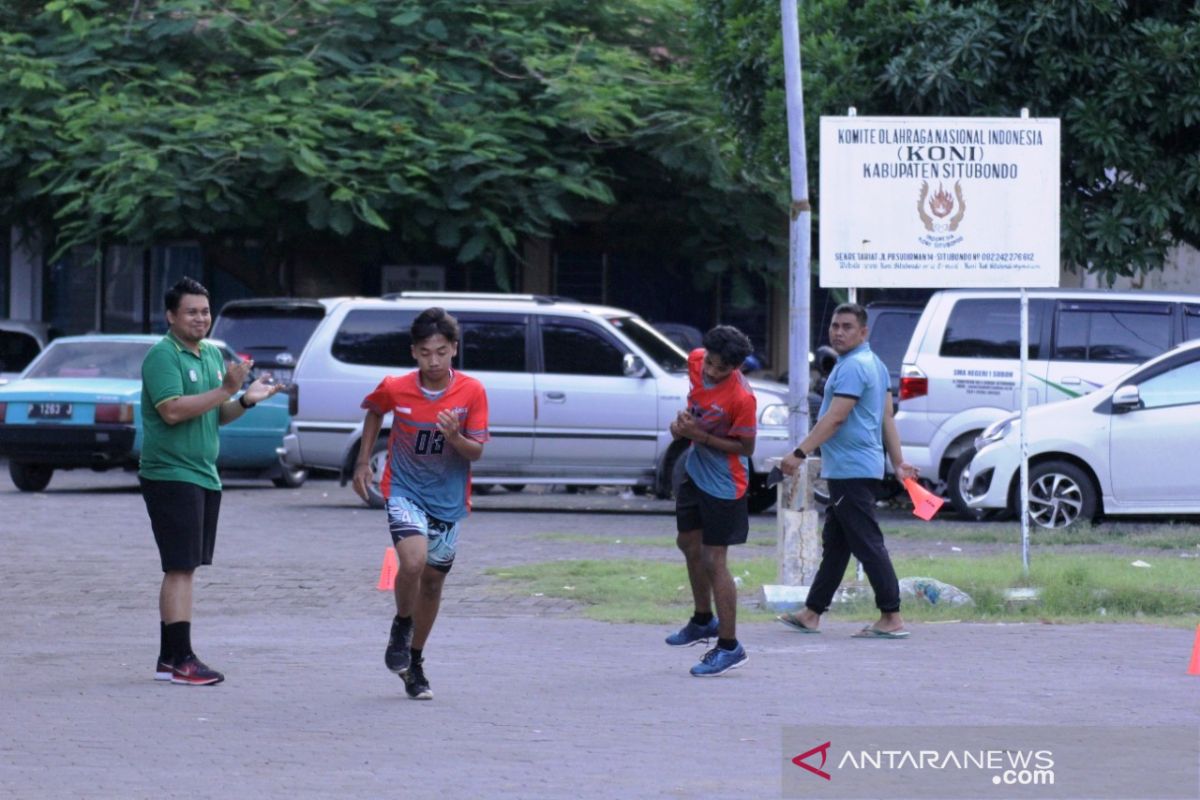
x,y
723,522
184,518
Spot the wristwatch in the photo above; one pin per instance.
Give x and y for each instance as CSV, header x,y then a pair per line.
x,y
242,402
800,454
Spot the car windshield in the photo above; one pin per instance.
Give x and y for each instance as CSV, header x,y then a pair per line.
x,y
264,333
91,360
652,343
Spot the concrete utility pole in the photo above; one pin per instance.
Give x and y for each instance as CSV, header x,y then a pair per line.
x,y
799,231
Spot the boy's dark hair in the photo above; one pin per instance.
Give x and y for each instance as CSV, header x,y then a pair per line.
x,y
729,344
184,286
855,309
433,321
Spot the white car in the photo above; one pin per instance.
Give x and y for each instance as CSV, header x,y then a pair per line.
x,y
1131,447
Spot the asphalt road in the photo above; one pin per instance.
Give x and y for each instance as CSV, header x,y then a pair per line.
x,y
531,700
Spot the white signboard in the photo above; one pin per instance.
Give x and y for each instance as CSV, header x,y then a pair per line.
x,y
939,202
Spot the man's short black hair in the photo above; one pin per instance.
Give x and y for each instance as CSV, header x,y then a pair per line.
x,y
855,309
729,344
184,286
433,321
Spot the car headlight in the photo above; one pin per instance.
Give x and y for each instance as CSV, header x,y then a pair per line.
x,y
773,415
996,431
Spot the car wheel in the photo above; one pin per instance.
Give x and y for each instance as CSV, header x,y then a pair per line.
x,y
378,462
1060,494
758,497
290,478
515,488
956,491
30,477
670,475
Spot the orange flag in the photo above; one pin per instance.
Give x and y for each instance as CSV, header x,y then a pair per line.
x,y
925,503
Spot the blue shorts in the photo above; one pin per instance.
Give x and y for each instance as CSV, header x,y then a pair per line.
x,y
406,518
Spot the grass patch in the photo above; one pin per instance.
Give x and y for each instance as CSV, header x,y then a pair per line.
x,y
1075,588
643,541
1135,536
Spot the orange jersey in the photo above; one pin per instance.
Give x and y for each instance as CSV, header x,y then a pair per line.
x,y
420,465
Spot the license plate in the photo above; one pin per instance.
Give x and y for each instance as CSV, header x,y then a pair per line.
x,y
50,410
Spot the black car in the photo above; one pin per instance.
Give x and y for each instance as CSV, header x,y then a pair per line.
x,y
271,331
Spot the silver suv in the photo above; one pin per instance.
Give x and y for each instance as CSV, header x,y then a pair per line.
x,y
577,394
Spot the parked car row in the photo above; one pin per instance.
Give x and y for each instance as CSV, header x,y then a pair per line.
x,y
78,405
582,394
961,369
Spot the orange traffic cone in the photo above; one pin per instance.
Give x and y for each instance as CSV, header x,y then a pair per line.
x,y
925,503
1194,666
387,573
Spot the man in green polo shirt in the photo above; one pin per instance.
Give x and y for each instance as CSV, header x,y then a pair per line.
x,y
187,392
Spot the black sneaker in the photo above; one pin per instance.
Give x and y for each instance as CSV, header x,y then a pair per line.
x,y
397,656
415,683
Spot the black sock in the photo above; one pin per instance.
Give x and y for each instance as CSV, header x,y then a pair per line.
x,y
162,641
403,620
727,644
178,640
702,618
416,654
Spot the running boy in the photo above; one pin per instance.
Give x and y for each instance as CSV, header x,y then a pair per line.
x,y
439,425
710,506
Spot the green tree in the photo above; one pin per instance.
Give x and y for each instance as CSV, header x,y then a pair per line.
x,y
460,125
1123,75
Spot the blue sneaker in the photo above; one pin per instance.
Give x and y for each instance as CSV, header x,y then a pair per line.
x,y
718,662
692,633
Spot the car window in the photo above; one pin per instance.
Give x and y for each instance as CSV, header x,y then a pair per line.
x,y
652,342
990,329
1131,334
889,335
263,333
492,346
1179,386
574,350
92,360
17,349
376,338
1191,322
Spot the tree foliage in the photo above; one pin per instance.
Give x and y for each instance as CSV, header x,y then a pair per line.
x,y
463,125
1123,75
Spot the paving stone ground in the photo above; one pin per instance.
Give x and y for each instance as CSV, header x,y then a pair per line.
x,y
532,700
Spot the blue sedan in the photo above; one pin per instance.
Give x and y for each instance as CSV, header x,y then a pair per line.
x,y
79,405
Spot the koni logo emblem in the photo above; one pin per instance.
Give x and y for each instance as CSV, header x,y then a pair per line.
x,y
823,749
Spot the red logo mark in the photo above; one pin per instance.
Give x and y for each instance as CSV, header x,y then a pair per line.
x,y
823,749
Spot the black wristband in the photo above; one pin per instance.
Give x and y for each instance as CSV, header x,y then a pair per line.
x,y
800,454
242,402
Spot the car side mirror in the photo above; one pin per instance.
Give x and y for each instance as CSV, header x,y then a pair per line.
x,y
1126,398
632,366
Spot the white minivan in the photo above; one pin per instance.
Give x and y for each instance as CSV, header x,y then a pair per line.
x,y
961,369
577,394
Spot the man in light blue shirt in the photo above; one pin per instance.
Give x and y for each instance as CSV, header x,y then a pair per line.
x,y
853,429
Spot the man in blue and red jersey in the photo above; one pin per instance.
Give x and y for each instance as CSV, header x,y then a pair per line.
x,y
710,504
439,425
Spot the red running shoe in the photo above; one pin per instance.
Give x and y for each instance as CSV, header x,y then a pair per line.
x,y
193,672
